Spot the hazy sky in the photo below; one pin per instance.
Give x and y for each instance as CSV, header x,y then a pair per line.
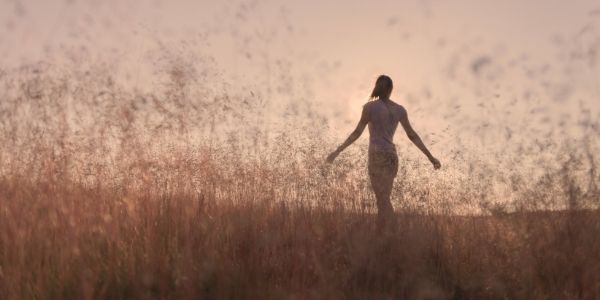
x,y
444,56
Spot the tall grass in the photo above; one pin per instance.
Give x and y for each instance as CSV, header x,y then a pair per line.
x,y
113,193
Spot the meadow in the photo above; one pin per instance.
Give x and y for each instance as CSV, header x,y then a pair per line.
x,y
108,193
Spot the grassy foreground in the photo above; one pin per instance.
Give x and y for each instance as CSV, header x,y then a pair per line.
x,y
62,241
107,193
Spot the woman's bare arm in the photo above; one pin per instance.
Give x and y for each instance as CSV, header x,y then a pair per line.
x,y
352,137
414,137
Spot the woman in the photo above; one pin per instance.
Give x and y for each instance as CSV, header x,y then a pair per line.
x,y
382,115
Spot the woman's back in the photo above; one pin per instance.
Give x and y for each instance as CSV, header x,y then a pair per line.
x,y
383,117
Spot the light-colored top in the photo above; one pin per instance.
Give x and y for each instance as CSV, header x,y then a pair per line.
x,y
383,117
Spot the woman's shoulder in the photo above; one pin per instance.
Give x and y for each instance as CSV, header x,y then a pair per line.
x,y
377,103
368,105
397,106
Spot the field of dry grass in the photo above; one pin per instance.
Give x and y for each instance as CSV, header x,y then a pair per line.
x,y
114,194
61,240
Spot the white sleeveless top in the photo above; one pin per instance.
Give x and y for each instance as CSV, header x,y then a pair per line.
x,y
383,117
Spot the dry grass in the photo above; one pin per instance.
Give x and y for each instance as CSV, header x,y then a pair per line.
x,y
62,240
106,194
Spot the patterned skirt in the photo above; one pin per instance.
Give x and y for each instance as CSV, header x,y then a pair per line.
x,y
383,165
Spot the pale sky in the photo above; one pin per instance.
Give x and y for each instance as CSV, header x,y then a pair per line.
x,y
445,56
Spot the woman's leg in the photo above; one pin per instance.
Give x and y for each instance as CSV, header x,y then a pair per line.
x,y
383,168
382,186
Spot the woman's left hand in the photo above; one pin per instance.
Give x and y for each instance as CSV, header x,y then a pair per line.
x,y
332,157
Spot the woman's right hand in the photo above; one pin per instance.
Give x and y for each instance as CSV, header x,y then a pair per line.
x,y
436,163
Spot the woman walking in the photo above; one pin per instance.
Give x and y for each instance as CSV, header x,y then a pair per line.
x,y
383,115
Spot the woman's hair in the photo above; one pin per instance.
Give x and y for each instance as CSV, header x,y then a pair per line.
x,y
383,87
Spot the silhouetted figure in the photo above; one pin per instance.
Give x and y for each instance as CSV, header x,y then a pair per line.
x,y
382,115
